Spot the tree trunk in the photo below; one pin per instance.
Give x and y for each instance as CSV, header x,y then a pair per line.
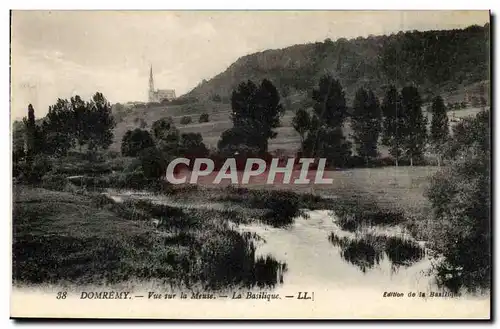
x,y
411,161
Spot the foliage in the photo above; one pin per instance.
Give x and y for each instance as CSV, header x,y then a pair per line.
x,y
166,136
414,123
439,126
76,122
461,201
18,137
185,120
134,141
329,102
153,164
470,133
301,123
365,123
30,134
256,112
191,145
438,61
243,141
204,118
325,137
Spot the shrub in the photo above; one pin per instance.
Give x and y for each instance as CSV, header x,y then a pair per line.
x,y
185,120
460,198
204,118
54,182
134,141
153,164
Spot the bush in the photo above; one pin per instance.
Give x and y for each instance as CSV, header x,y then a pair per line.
x,y
461,201
134,141
185,120
153,164
54,182
204,118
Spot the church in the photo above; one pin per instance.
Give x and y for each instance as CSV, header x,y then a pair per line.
x,y
158,95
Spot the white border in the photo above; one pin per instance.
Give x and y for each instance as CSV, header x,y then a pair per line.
x,y
5,183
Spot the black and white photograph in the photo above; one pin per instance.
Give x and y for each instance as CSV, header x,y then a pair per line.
x,y
205,164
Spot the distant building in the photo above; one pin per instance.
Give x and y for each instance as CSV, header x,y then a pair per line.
x,y
158,95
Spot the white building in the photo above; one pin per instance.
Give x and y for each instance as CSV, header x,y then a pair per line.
x,y
158,95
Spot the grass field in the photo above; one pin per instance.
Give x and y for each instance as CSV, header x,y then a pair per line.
x,y
86,238
61,237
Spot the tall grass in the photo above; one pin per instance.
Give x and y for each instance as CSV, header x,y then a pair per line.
x,y
188,248
368,250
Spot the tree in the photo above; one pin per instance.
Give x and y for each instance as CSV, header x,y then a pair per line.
x,y
439,126
59,128
166,136
325,137
30,134
461,202
18,141
101,122
153,163
79,120
329,143
134,141
204,118
162,127
414,123
256,113
469,133
75,122
243,140
365,123
392,123
191,145
301,123
330,105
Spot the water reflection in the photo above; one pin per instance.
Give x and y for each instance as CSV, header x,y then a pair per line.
x,y
369,250
403,252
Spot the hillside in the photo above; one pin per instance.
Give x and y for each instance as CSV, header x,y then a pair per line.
x,y
452,63
436,61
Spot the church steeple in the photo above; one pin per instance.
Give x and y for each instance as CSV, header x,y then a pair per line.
x,y
151,84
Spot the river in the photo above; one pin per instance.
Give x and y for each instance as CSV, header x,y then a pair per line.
x,y
340,272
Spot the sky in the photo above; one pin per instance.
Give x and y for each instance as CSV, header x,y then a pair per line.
x,y
59,54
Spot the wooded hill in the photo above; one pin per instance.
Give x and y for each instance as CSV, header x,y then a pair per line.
x,y
438,62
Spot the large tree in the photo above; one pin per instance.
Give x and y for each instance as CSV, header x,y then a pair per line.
x,y
135,141
75,122
100,132
166,136
392,123
256,113
301,123
414,123
30,134
460,195
365,123
439,127
191,145
329,102
325,137
58,128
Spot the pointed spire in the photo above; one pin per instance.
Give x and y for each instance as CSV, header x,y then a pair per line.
x,y
151,84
